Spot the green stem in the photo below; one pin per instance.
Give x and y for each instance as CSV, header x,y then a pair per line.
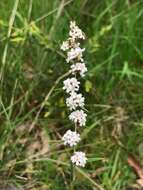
x,y
72,177
73,168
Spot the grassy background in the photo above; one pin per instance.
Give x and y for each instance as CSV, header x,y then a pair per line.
x,y
31,32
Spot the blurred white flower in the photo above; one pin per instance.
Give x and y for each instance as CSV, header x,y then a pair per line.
x,y
80,67
78,117
75,53
71,138
75,31
79,159
72,24
71,85
74,101
65,46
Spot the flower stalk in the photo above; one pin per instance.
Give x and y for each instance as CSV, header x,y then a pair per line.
x,y
75,100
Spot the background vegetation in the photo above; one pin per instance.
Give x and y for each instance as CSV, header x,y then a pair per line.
x,y
31,32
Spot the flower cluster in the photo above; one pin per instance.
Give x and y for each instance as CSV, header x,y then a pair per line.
x,y
75,101
71,138
71,85
79,67
79,159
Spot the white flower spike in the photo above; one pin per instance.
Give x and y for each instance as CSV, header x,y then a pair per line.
x,y
75,100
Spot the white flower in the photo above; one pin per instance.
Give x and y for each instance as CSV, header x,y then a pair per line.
x,y
79,67
71,138
79,159
78,117
75,31
75,53
72,24
71,85
74,101
65,46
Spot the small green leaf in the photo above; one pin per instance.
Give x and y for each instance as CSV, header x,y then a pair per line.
x,y
17,39
61,102
105,29
88,85
46,114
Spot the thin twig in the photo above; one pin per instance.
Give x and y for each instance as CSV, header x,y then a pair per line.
x,y
46,98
